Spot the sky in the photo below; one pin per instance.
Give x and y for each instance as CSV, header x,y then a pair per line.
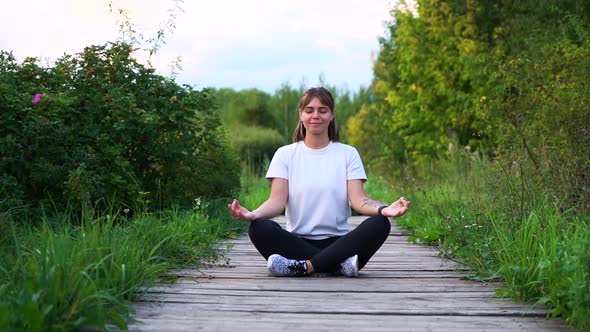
x,y
236,44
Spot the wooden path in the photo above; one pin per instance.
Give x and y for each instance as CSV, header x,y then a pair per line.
x,y
405,287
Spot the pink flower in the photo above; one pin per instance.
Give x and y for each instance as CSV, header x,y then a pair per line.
x,y
37,98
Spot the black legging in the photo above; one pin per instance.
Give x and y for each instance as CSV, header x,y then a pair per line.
x,y
325,255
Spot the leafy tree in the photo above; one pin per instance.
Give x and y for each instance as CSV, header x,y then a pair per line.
x,y
488,75
427,74
251,124
249,107
284,103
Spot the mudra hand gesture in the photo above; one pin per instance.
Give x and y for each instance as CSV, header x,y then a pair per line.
x,y
239,212
397,208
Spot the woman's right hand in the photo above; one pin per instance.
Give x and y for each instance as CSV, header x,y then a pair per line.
x,y
239,212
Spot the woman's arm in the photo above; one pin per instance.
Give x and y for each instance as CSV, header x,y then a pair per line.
x,y
365,205
273,206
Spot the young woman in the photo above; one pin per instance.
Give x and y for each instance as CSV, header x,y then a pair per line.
x,y
317,180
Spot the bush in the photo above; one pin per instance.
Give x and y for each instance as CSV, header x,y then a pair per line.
x,y
99,128
541,116
255,144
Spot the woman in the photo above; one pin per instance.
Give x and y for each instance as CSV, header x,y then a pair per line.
x,y
317,180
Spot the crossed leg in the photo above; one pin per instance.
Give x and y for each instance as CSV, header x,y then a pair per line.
x,y
325,255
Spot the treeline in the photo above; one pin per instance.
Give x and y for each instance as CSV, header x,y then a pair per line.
x,y
480,113
257,122
507,79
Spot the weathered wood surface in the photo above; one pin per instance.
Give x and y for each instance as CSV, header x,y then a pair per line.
x,y
405,287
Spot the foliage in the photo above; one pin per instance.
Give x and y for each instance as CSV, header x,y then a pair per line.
x,y
504,78
88,138
61,277
284,102
546,257
347,104
542,118
364,130
504,81
259,123
244,108
504,226
99,128
255,189
428,82
278,111
255,145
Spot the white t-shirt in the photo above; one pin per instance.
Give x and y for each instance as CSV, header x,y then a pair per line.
x,y
317,207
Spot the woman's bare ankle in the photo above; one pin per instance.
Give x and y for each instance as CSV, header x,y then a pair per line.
x,y
310,268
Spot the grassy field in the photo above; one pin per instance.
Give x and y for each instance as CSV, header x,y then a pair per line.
x,y
56,276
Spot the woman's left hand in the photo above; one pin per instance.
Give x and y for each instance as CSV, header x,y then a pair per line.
x,y
397,208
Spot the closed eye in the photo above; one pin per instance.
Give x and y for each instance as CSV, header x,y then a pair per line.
x,y
322,110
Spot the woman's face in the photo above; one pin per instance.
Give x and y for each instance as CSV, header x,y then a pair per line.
x,y
316,117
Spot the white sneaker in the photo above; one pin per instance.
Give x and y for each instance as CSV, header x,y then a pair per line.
x,y
350,267
283,267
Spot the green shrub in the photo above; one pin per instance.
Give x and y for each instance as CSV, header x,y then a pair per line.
x,y
256,144
542,122
99,128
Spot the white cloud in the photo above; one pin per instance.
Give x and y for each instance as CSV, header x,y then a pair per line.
x,y
225,43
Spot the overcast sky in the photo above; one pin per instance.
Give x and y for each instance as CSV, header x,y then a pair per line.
x,y
221,43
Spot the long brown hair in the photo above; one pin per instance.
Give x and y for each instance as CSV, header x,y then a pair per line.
x,y
326,98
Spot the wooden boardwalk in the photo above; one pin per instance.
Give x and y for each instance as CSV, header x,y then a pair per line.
x,y
405,287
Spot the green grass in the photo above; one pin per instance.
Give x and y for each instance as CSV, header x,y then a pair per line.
x,y
504,226
59,277
255,188
546,258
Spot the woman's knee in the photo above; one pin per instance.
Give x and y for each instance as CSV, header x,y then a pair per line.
x,y
259,227
384,221
376,227
380,225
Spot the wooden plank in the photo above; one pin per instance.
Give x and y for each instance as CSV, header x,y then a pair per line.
x,y
409,264
409,255
381,259
263,274
342,285
376,261
350,293
245,241
422,307
256,321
